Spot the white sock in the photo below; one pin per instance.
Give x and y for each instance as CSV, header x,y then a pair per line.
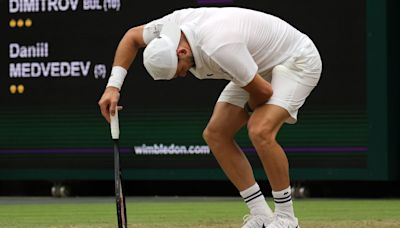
x,y
283,202
255,200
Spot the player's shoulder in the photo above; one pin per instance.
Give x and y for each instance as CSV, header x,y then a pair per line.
x,y
213,37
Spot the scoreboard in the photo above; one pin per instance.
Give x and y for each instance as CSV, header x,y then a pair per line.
x,y
56,59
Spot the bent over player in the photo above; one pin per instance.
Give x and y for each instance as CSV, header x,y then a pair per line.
x,y
272,68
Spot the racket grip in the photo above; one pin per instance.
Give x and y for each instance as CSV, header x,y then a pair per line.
x,y
114,123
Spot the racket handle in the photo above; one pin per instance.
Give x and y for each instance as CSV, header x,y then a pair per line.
x,y
114,125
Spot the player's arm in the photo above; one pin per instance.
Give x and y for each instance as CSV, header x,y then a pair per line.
x,y
259,90
128,47
125,54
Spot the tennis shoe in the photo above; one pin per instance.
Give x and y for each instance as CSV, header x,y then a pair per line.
x,y
283,221
256,221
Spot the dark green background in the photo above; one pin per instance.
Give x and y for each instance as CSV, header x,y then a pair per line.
x,y
349,108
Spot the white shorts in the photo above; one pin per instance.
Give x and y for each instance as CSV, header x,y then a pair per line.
x,y
292,82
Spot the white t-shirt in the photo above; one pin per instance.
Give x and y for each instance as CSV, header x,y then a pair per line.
x,y
232,43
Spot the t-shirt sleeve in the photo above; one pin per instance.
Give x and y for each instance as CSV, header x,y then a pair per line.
x,y
152,29
236,60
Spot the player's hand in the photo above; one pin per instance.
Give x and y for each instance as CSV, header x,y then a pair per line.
x,y
109,101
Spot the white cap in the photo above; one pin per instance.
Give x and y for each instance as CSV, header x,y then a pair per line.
x,y
159,57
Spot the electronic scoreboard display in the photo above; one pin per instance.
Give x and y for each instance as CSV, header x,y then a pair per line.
x,y
56,59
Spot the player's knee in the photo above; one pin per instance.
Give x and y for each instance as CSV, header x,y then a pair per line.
x,y
261,135
209,135
212,134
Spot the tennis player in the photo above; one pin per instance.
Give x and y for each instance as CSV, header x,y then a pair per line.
x,y
272,68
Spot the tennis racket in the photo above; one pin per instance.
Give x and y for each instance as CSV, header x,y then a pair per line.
x,y
119,195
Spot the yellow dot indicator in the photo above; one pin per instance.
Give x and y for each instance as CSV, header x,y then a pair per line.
x,y
21,88
20,23
28,22
13,89
13,23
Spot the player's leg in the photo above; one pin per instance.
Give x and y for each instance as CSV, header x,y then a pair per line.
x,y
292,83
225,122
227,119
263,127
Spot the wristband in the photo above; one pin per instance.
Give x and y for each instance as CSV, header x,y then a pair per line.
x,y
247,108
117,77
